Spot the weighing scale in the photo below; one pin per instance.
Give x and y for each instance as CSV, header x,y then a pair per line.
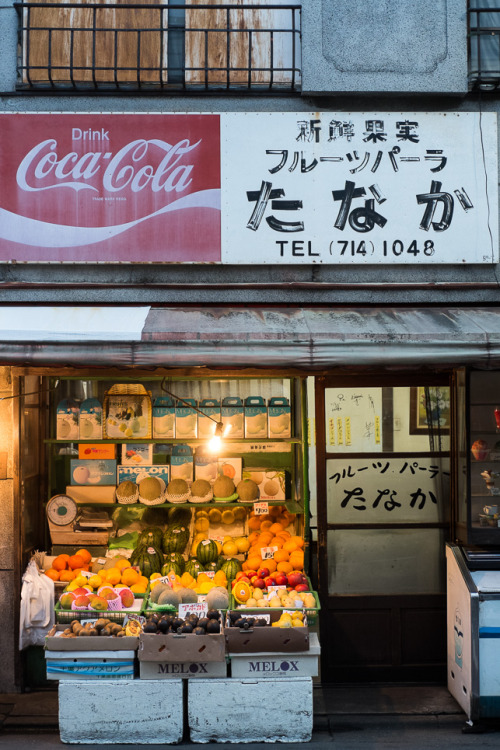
x,y
70,523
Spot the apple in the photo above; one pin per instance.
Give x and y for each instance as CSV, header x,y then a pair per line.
x,y
296,578
263,572
302,587
250,574
281,580
269,581
259,583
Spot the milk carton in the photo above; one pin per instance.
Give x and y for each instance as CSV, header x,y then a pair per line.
x,y
90,419
186,419
67,414
232,417
164,417
181,463
255,417
280,418
207,421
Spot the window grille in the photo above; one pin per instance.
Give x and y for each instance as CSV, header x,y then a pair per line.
x,y
484,44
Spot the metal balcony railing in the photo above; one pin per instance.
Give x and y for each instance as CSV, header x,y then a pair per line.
x,y
156,47
484,44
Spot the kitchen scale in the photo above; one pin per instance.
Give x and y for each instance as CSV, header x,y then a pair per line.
x,y
70,523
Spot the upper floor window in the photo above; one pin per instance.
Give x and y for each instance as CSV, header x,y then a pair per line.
x,y
125,45
484,44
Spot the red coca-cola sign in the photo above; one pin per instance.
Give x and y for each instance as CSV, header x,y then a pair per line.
x,y
110,188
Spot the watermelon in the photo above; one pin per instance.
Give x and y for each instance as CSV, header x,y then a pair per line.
x,y
207,551
151,537
194,567
181,516
231,567
175,539
170,566
178,559
148,559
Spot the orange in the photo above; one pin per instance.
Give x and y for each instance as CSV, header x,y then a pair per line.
x,y
290,546
66,575
298,540
264,538
113,576
254,562
138,588
244,565
252,538
276,528
60,562
85,555
271,565
122,564
284,567
143,581
130,576
265,525
297,560
281,556
254,523
75,561
51,573
276,541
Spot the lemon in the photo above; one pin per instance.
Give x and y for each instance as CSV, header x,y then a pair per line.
x,y
242,544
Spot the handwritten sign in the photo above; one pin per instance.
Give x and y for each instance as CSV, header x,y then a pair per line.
x,y
196,608
353,419
261,509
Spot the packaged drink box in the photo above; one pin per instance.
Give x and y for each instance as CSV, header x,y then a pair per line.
x,y
186,419
92,472
232,417
279,418
164,417
255,417
211,411
90,419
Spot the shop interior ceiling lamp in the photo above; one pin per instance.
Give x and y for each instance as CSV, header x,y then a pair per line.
x,y
215,442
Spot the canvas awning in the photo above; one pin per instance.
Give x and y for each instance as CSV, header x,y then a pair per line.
x,y
308,338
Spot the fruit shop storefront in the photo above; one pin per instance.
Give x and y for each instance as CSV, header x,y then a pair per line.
x,y
311,363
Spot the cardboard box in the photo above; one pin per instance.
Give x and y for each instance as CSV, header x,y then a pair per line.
x,y
157,670
90,665
127,415
265,639
279,664
54,642
137,454
211,411
205,466
271,482
96,450
91,472
90,419
230,467
279,418
186,419
93,495
136,473
255,417
67,413
164,418
181,463
185,648
232,417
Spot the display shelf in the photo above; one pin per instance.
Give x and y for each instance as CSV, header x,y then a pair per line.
x,y
293,506
174,441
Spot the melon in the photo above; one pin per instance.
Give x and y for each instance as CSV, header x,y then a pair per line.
x,y
157,589
247,490
217,598
223,487
188,596
170,597
200,488
177,487
150,488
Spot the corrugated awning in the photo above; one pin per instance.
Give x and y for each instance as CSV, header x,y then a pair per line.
x,y
308,338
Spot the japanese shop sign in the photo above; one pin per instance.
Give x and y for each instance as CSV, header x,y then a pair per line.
x,y
339,188
353,418
252,188
386,490
91,187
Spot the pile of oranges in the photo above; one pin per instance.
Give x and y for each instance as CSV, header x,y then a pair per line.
x,y
270,531
68,567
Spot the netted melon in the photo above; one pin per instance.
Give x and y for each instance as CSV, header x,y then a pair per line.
x,y
177,487
217,598
170,597
126,488
150,488
188,596
223,487
200,488
157,589
247,490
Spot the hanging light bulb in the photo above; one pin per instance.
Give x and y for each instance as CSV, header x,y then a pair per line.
x,y
215,442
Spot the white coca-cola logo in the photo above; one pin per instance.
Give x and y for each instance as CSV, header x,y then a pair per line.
x,y
130,167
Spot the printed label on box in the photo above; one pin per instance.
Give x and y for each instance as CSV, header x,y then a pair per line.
x,y
90,419
92,472
135,454
128,416
67,414
164,417
137,473
96,450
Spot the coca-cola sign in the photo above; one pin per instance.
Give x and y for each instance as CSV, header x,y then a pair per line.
x,y
110,188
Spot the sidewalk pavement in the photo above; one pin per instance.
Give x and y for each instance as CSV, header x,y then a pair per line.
x,y
360,717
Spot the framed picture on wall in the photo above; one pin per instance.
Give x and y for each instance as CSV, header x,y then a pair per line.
x,y
439,410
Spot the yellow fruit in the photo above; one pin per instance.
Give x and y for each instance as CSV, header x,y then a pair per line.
x,y
187,579
263,603
204,513
95,581
153,576
258,594
242,592
113,576
251,602
122,564
296,623
229,549
275,601
82,581
138,588
206,586
214,515
227,517
130,576
202,524
143,581
242,544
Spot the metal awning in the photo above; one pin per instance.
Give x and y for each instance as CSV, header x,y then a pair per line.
x,y
306,338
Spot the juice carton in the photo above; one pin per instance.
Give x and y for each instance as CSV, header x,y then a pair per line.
x,y
232,417
90,419
255,417
181,463
164,417
92,471
67,419
211,411
186,419
280,418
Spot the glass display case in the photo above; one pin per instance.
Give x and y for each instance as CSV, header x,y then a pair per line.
x,y
478,457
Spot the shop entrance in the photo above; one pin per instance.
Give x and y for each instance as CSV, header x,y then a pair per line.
x,y
383,520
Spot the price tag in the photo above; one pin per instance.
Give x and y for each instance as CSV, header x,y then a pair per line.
x,y
164,579
86,573
274,590
209,573
138,618
216,537
268,552
261,509
198,608
101,561
88,622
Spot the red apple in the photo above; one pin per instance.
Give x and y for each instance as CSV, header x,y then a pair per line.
x,y
302,587
281,580
259,583
294,579
263,572
269,581
81,591
250,574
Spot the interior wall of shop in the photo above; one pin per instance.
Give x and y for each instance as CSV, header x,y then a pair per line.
x,y
414,59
